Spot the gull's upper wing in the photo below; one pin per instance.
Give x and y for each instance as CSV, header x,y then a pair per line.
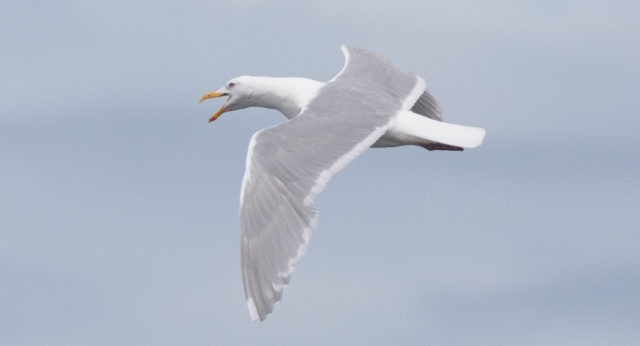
x,y
290,163
367,69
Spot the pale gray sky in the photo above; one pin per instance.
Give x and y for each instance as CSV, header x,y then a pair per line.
x,y
119,203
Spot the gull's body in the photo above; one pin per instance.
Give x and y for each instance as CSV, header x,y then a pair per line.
x,y
370,103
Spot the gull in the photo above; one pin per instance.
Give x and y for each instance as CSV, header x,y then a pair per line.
x,y
370,103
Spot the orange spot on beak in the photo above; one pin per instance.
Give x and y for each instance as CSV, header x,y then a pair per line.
x,y
210,96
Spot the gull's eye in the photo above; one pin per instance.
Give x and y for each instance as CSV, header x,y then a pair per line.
x,y
231,85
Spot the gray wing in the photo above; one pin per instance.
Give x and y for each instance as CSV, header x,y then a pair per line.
x,y
366,68
289,164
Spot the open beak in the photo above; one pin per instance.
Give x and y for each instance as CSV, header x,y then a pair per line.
x,y
214,95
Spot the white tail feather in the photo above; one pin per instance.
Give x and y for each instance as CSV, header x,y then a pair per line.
x,y
412,127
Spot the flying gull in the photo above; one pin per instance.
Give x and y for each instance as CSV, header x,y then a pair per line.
x,y
370,103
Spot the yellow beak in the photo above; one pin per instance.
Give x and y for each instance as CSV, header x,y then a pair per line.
x,y
210,96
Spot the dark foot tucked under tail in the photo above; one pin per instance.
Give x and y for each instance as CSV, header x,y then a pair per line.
x,y
440,146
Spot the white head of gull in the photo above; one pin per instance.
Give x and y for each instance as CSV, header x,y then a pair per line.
x,y
370,103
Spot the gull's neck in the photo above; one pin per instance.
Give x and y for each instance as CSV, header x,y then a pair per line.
x,y
290,96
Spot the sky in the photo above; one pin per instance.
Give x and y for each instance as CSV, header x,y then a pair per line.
x,y
119,202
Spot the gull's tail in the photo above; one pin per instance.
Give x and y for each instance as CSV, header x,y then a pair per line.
x,y
426,131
